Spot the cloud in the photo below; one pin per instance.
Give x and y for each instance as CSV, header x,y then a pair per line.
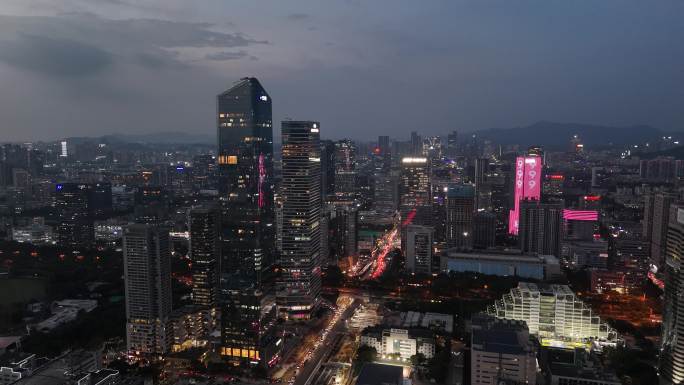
x,y
81,44
298,16
225,55
54,56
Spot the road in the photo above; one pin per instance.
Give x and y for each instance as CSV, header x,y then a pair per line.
x,y
322,351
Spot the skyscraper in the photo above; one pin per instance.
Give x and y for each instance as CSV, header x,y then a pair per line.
x,y
415,199
327,168
540,227
656,219
345,169
75,227
245,167
299,284
672,350
459,221
528,170
147,277
419,249
205,255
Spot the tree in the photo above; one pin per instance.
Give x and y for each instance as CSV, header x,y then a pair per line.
x,y
366,354
418,359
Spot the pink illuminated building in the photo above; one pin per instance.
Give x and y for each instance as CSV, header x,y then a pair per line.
x,y
528,170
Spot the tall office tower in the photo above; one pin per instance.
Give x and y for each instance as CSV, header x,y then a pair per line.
x,y
414,189
384,144
205,254
299,285
528,170
345,169
385,193
416,144
672,349
147,277
327,168
481,168
483,190
459,216
540,227
419,249
656,219
502,352
484,230
75,227
452,144
245,168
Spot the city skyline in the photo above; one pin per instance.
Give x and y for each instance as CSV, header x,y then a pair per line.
x,y
341,225
473,66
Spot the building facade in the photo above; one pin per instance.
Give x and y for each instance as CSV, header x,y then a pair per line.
x,y
299,284
555,315
246,190
419,249
501,351
147,276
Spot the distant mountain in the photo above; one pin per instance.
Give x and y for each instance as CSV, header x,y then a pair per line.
x,y
558,135
153,138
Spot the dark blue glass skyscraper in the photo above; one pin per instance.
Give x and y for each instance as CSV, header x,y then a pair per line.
x,y
245,165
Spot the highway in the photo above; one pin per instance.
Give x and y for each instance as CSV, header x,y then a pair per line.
x,y
323,350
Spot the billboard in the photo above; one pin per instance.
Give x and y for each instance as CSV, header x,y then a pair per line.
x,y
528,171
580,215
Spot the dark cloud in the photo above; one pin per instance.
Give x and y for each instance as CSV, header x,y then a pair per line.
x,y
298,16
54,56
159,59
222,56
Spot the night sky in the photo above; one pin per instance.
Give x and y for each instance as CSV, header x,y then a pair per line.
x,y
360,67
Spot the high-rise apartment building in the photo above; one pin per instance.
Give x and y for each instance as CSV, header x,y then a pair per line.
x,y
147,278
299,284
460,208
540,227
75,225
205,254
245,168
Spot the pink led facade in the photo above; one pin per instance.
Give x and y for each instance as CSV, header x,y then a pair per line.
x,y
580,215
528,171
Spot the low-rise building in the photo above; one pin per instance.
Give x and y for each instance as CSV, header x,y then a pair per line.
x,y
540,267
555,315
502,351
399,342
574,367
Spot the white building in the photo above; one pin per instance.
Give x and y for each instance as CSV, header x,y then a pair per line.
x,y
401,342
555,315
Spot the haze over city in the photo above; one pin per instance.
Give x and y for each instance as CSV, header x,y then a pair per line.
x,y
362,68
485,192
